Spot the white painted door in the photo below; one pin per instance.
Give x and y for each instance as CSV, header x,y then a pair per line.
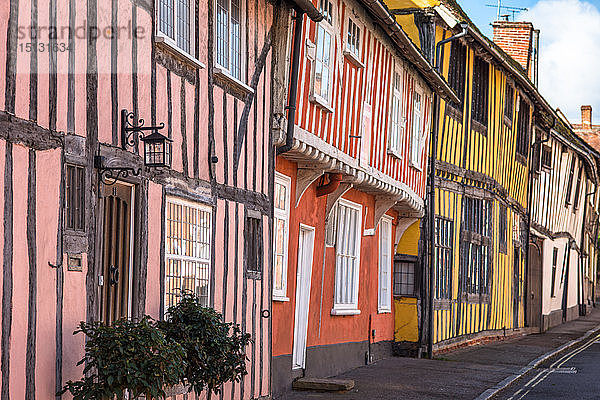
x,y
305,256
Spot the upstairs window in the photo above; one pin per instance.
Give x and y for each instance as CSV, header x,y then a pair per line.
x,y
323,65
417,131
75,198
577,189
457,71
281,224
570,182
523,129
397,120
509,101
229,36
479,112
176,23
353,40
347,258
546,161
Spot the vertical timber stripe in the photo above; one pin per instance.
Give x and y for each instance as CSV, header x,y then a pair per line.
x,y
143,273
32,305
211,103
235,277
244,289
53,85
60,278
225,263
211,108
71,71
114,84
153,75
7,271
11,57
33,66
91,146
184,143
236,144
213,246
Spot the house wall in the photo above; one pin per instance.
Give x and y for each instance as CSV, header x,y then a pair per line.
x,y
63,106
483,166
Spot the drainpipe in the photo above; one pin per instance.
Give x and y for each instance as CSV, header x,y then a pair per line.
x,y
528,232
432,157
291,107
334,183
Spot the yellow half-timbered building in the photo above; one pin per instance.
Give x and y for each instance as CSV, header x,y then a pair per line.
x,y
478,284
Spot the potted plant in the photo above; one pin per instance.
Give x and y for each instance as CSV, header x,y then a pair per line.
x,y
131,356
215,350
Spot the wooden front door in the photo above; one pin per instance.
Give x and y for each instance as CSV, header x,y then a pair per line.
x,y
115,281
534,286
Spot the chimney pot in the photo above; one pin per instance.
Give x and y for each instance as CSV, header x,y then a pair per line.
x,y
586,117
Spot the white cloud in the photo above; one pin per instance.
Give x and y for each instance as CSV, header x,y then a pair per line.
x,y
569,54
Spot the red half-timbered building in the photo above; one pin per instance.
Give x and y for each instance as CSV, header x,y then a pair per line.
x,y
350,178
91,230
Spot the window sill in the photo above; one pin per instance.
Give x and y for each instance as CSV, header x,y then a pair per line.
x,y
354,59
172,46
342,312
521,159
453,112
479,127
508,122
321,102
394,153
384,311
282,299
225,77
416,166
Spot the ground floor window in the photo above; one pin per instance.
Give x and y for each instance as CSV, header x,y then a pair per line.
x,y
385,265
475,254
187,250
444,245
347,251
404,278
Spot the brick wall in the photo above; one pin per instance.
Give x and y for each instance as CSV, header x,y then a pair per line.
x,y
515,38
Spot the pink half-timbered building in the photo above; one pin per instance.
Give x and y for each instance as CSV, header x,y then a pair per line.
x,y
91,231
350,178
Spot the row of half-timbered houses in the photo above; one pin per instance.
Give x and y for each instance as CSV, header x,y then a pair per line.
x,y
344,179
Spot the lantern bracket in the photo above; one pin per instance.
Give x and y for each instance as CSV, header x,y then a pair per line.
x,y
132,130
110,175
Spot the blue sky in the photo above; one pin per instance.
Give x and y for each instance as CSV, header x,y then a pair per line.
x,y
569,48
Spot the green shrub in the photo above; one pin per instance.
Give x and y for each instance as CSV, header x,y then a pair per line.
x,y
215,350
132,355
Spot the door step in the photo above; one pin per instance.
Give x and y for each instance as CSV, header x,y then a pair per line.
x,y
323,385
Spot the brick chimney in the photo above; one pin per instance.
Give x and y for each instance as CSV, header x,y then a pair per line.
x,y
518,40
586,117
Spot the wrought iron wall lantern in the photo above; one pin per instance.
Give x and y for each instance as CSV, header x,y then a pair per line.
x,y
157,149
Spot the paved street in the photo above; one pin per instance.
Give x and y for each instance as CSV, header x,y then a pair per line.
x,y
467,373
574,375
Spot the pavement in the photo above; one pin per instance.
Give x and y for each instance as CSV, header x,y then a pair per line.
x,y
478,372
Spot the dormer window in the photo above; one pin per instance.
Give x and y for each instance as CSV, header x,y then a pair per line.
x,y
323,64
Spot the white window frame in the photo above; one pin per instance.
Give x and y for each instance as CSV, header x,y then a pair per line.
x,y
228,69
384,298
171,42
417,131
350,308
328,28
397,119
353,50
169,256
286,181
